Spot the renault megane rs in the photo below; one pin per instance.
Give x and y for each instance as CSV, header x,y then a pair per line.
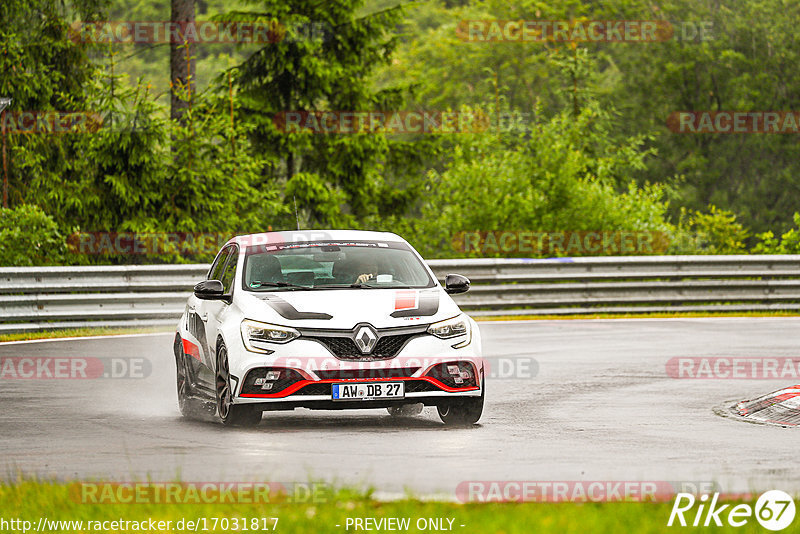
x,y
327,320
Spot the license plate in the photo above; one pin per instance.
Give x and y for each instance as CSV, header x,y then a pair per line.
x,y
368,391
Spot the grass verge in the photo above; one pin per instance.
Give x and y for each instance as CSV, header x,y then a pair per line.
x,y
658,315
84,332
30,501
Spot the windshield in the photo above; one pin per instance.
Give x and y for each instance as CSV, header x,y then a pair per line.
x,y
333,265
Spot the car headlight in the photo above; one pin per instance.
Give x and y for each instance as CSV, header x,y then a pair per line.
x,y
458,326
258,337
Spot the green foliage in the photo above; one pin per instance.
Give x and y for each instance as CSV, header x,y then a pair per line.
x,y
743,63
715,232
452,71
341,180
144,174
42,68
106,180
562,175
789,242
214,177
29,237
150,61
591,154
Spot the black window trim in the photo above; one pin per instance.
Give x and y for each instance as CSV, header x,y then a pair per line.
x,y
235,257
220,254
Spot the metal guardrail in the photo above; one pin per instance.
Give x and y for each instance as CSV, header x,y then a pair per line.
x,y
47,298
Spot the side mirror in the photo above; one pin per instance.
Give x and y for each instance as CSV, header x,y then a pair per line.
x,y
209,290
455,283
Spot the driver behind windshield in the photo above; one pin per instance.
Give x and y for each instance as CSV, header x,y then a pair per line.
x,y
368,269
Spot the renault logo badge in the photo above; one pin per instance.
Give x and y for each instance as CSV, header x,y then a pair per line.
x,y
366,339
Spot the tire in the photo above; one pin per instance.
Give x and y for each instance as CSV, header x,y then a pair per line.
x,y
405,410
462,412
190,407
231,414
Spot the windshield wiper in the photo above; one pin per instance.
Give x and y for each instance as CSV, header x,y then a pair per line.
x,y
347,286
362,286
280,284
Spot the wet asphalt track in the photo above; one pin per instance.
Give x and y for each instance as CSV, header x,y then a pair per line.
x,y
600,408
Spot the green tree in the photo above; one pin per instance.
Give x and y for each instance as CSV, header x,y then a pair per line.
x,y
43,68
714,232
743,61
140,172
29,237
732,55
787,243
560,174
326,61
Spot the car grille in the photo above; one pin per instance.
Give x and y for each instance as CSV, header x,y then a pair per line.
x,y
314,389
454,374
345,348
418,386
412,386
359,374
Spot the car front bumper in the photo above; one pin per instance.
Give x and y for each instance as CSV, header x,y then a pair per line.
x,y
307,371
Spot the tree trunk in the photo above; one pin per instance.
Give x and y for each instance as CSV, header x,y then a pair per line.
x,y
181,66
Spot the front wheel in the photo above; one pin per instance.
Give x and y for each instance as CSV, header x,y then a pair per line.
x,y
229,413
462,412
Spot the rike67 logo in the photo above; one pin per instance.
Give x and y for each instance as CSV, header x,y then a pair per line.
x,y
774,510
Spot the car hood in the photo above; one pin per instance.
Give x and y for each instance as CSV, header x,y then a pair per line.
x,y
345,308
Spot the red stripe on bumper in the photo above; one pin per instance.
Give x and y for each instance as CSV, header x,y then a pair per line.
x,y
298,385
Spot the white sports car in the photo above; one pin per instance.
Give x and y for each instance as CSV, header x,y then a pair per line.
x,y
329,320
